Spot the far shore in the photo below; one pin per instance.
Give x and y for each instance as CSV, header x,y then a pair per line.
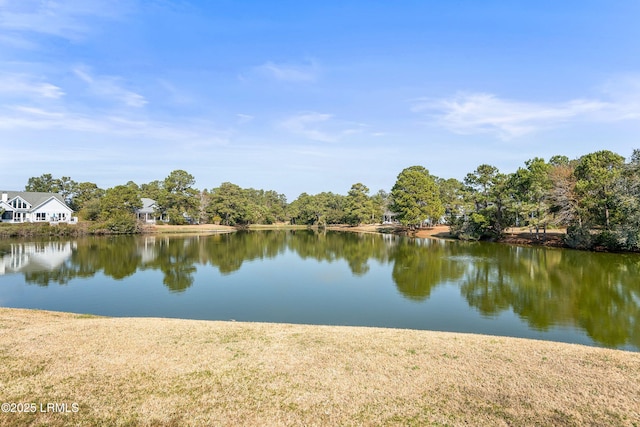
x,y
172,372
515,236
519,236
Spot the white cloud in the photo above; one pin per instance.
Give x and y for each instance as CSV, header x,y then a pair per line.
x,y
320,127
244,118
624,91
20,117
109,87
307,125
23,85
289,72
26,117
61,18
175,95
16,42
474,113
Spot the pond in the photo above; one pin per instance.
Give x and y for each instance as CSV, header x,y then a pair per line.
x,y
334,278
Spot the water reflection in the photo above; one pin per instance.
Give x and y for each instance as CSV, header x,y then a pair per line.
x,y
549,287
546,288
421,265
34,256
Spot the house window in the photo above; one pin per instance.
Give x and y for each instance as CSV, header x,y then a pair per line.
x,y
41,216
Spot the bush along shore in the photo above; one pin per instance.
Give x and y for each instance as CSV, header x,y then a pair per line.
x,y
27,230
42,229
85,228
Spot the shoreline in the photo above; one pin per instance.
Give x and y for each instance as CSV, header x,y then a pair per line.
x,y
553,238
157,371
521,237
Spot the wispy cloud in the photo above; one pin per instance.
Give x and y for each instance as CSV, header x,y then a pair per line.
x,y
24,85
63,18
624,91
244,118
308,125
17,42
110,87
33,118
20,117
475,113
319,126
295,73
486,113
174,94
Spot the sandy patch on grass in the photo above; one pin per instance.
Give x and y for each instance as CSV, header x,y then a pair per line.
x,y
123,371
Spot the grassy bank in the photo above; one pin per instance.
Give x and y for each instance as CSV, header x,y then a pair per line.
x,y
42,229
171,372
83,228
187,229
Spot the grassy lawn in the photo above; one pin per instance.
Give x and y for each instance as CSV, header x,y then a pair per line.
x,y
168,372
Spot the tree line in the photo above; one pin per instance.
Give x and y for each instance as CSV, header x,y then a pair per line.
x,y
596,197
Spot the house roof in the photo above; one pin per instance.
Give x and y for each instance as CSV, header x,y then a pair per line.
x,y
33,198
148,205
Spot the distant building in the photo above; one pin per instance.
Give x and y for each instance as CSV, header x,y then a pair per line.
x,y
149,212
389,217
26,206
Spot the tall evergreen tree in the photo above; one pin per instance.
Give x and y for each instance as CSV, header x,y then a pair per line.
x,y
596,175
358,205
415,197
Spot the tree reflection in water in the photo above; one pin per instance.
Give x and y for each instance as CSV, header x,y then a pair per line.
x,y
598,293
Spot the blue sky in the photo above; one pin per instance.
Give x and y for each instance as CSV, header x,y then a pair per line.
x,y
298,96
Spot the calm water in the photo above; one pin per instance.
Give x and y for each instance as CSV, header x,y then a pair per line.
x,y
334,279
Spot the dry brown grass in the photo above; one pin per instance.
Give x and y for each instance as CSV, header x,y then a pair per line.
x,y
188,228
214,228
167,372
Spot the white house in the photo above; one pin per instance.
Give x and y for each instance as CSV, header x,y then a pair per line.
x,y
25,206
150,212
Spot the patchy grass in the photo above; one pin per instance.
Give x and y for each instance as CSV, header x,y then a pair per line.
x,y
278,226
170,372
87,316
187,229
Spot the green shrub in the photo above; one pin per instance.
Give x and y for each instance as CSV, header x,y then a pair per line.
x,y
578,237
119,223
628,236
475,227
176,217
609,240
